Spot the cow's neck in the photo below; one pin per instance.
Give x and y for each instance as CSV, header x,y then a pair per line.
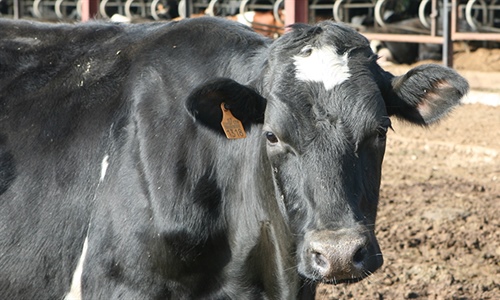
x,y
252,208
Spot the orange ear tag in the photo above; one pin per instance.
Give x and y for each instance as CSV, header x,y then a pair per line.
x,y
232,126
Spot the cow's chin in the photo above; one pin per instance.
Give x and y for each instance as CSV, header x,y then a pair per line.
x,y
316,278
311,274
342,281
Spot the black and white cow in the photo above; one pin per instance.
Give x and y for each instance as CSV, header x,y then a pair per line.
x,y
117,181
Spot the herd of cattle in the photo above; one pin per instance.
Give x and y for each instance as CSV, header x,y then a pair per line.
x,y
117,180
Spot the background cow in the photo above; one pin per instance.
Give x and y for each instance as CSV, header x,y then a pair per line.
x,y
117,180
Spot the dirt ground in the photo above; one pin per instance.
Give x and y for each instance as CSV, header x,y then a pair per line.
x,y
439,215
482,59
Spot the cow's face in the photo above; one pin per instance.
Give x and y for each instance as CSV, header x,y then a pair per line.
x,y
325,125
326,122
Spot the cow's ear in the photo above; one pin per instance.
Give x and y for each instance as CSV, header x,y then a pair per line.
x,y
425,94
204,103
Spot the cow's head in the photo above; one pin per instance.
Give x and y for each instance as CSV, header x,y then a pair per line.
x,y
325,125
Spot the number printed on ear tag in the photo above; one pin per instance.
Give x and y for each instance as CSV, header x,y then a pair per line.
x,y
232,126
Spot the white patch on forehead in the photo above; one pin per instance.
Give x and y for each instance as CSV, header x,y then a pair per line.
x,y
323,65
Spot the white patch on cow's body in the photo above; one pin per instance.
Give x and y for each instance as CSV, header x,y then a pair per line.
x,y
28,41
322,65
104,167
87,68
75,292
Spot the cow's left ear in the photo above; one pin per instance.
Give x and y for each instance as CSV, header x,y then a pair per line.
x,y
204,103
425,94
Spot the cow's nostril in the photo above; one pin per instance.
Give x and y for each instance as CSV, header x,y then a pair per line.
x,y
359,256
320,260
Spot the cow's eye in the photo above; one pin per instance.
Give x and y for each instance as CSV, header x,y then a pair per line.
x,y
271,137
382,132
383,128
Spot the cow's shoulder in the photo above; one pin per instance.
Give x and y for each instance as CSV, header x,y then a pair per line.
x,y
215,34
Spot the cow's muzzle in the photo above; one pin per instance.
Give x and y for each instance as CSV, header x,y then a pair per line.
x,y
340,256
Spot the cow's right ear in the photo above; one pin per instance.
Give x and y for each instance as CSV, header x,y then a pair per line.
x,y
204,103
423,95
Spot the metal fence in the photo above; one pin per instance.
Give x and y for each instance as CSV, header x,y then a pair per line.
x,y
439,21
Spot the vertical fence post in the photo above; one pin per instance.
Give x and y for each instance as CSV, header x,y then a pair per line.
x,y
188,8
296,11
447,42
17,9
90,9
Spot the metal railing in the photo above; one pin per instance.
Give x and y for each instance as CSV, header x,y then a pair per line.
x,y
439,19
